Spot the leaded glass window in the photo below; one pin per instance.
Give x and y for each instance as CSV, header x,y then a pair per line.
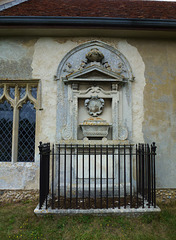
x,y
1,91
22,92
26,134
34,92
12,92
18,104
6,123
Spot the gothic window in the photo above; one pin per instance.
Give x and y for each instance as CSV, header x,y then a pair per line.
x,y
18,104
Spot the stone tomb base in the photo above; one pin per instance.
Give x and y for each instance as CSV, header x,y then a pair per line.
x,y
99,212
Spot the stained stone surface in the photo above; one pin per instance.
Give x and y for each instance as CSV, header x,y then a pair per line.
x,y
16,59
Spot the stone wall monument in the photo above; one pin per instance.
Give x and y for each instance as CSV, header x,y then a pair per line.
x,y
94,105
94,95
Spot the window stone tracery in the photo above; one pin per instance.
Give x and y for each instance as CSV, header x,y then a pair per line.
x,y
22,96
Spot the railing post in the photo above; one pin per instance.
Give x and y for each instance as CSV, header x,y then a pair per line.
x,y
101,176
131,176
77,152
124,175
119,175
143,167
71,177
89,175
113,166
59,182
95,195
149,176
107,176
83,175
47,160
65,159
153,148
44,150
52,185
139,166
41,172
137,173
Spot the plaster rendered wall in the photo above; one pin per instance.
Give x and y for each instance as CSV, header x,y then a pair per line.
x,y
16,57
32,59
154,102
159,123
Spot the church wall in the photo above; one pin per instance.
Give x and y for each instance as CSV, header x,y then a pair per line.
x,y
153,96
159,123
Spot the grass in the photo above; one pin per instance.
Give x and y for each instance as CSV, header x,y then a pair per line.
x,y
17,221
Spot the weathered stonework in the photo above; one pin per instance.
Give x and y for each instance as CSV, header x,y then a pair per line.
x,y
16,58
138,66
153,98
19,175
88,71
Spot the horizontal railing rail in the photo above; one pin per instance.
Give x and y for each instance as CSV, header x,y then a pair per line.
x,y
97,176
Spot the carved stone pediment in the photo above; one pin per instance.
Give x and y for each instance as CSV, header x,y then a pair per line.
x,y
91,54
94,73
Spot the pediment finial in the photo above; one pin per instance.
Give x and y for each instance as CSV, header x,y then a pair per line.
x,y
94,55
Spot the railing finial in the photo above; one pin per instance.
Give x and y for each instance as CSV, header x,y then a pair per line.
x,y
153,146
40,147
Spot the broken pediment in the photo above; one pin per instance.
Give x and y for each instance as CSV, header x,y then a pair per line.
x,y
94,73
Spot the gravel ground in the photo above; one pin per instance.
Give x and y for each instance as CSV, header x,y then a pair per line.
x,y
166,195
8,196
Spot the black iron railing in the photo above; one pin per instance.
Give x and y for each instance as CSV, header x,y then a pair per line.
x,y
44,172
97,176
